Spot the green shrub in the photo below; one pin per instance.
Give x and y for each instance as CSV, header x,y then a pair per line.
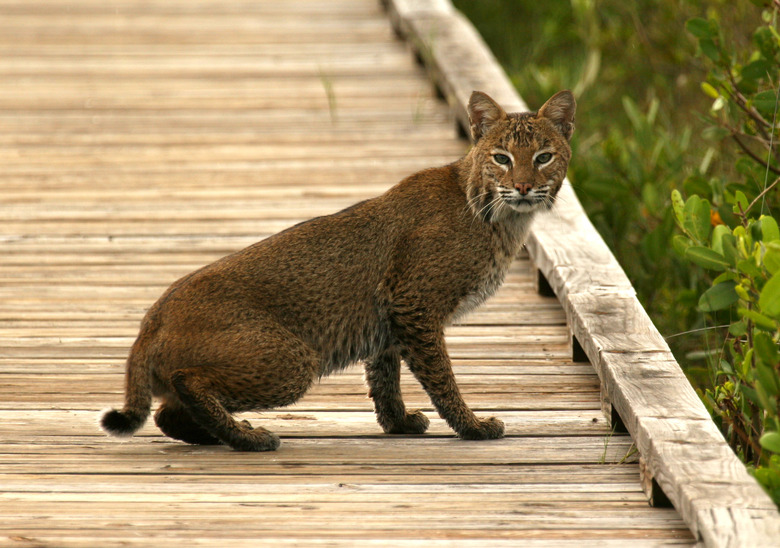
x,y
745,294
727,233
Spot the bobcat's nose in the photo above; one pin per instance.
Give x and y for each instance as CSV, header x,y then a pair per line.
x,y
524,188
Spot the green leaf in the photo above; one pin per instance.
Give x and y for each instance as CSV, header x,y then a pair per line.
x,y
755,230
750,394
696,218
743,241
756,70
769,230
766,348
718,297
738,329
770,441
766,401
748,266
728,244
678,205
710,49
747,363
772,257
706,257
765,103
725,276
765,40
743,293
767,381
701,28
769,299
718,234
710,90
726,214
741,200
760,320
680,244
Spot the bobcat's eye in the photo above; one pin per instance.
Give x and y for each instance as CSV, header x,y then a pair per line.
x,y
501,159
543,158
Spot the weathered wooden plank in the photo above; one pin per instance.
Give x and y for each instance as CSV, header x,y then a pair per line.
x,y
190,30
112,98
19,426
323,516
419,451
531,538
69,156
143,139
583,478
302,8
323,490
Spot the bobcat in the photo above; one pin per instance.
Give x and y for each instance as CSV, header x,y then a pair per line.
x,y
376,282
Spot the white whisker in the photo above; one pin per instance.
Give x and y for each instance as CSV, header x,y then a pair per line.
x,y
473,200
487,210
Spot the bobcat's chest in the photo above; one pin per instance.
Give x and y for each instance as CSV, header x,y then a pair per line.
x,y
505,241
485,287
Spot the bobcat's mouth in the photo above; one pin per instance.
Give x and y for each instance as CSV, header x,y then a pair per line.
x,y
524,204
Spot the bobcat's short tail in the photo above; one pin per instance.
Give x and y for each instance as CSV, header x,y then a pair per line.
x,y
122,423
138,400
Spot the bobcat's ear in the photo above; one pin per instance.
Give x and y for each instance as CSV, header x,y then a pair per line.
x,y
484,113
559,109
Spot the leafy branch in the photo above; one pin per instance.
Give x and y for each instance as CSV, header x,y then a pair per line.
x,y
742,248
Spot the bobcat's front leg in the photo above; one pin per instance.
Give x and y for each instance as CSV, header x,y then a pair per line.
x,y
426,355
383,375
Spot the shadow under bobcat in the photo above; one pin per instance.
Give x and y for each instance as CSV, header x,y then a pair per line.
x,y
376,282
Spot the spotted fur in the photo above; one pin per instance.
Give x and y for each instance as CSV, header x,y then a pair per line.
x,y
376,282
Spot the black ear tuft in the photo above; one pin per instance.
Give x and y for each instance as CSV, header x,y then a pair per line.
x,y
559,109
484,113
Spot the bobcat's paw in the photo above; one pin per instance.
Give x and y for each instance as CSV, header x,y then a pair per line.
x,y
414,422
487,429
258,439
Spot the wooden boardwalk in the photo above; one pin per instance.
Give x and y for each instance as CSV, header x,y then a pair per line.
x,y
140,140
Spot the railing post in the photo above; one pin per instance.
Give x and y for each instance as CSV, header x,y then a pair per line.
x,y
655,495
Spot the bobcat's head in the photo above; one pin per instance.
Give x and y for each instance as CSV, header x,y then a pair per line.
x,y
519,159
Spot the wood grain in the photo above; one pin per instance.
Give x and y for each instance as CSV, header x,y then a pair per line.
x,y
142,139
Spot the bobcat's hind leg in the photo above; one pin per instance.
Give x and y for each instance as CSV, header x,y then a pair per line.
x,y
175,422
383,375
261,366
209,412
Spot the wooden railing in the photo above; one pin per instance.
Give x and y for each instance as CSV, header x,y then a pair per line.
x,y
683,456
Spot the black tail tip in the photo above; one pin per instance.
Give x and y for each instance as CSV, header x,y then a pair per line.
x,y
119,423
